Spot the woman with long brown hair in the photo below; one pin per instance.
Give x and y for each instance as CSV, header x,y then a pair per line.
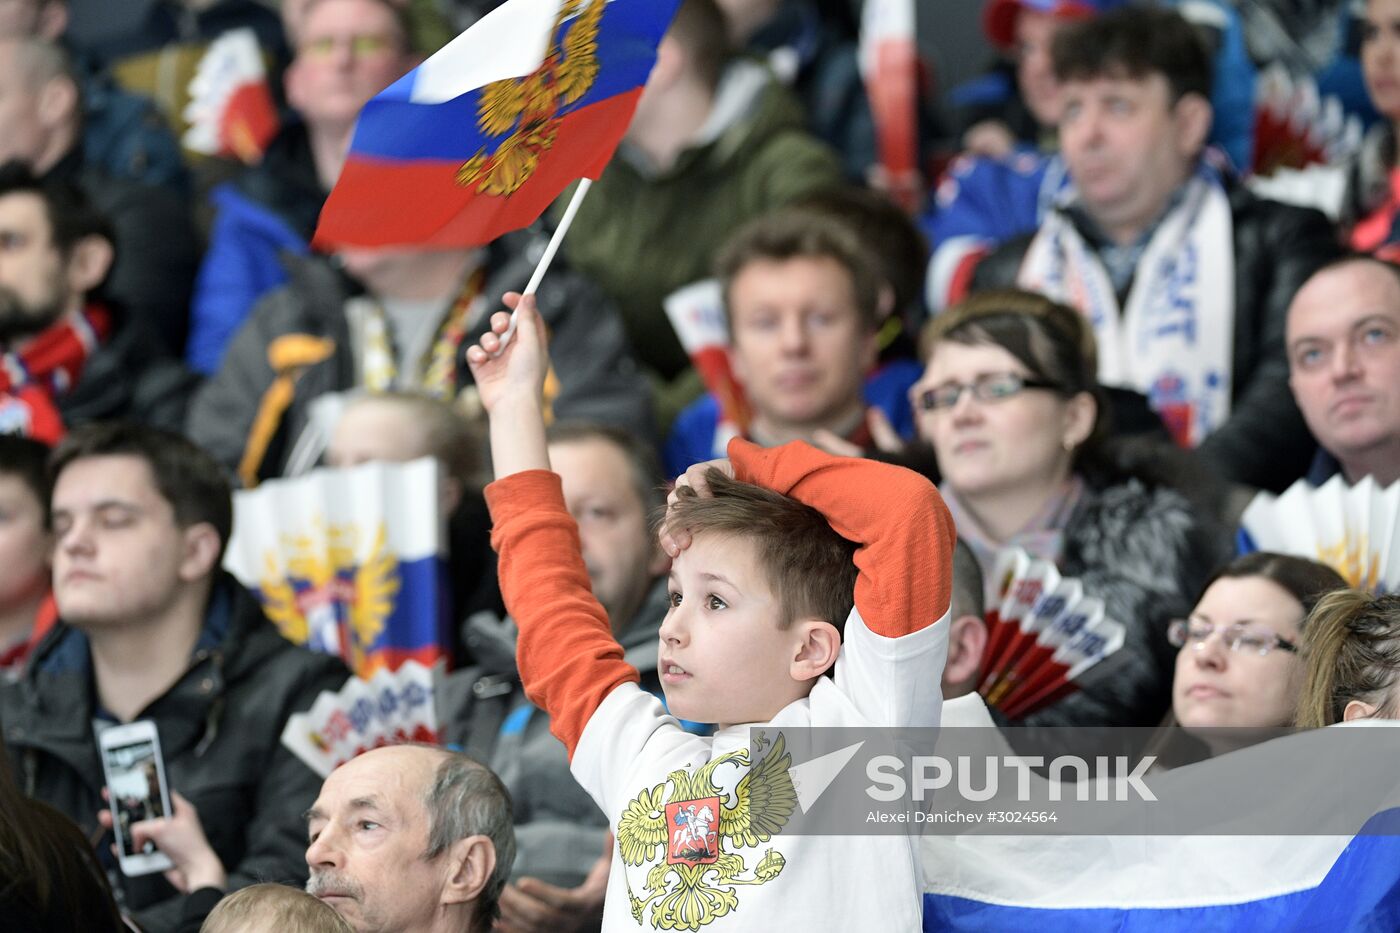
x,y
1011,404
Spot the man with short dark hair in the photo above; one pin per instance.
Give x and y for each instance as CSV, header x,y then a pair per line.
x,y
804,299
1344,363
612,484
59,365
157,250
151,628
411,839
1183,273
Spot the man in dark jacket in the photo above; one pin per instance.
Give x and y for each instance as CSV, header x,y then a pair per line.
x,y
62,364
152,629
157,251
271,208
1185,276
408,329
1344,356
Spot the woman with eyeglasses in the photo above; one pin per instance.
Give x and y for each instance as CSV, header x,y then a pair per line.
x,y
1238,661
1010,402
1352,652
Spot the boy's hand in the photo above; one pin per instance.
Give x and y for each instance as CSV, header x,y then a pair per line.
x,y
518,370
676,539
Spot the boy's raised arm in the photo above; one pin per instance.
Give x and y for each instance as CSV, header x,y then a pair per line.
x,y
903,529
569,661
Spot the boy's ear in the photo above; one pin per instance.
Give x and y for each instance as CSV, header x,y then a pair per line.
x,y
967,637
817,651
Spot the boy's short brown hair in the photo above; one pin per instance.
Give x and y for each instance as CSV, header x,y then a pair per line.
x,y
809,567
274,907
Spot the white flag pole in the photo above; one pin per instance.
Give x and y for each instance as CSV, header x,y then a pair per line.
x,y
543,266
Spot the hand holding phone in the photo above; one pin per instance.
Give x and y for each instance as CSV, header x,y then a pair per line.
x,y
136,791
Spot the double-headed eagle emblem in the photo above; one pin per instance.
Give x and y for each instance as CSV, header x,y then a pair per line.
x,y
695,881
318,585
528,108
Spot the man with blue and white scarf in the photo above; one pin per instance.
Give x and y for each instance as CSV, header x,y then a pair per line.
x,y
1185,276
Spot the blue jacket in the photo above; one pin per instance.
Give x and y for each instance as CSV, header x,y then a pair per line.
x,y
243,263
260,217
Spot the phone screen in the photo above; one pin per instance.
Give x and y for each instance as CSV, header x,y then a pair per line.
x,y
133,785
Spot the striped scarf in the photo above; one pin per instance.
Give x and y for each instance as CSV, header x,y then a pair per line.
x,y
34,378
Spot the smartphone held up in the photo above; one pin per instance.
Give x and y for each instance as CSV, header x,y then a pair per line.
x,y
136,791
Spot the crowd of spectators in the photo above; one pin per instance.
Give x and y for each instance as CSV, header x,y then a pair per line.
x,y
1094,338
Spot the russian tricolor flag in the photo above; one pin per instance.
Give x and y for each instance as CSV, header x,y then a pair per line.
x,y
484,135
1197,883
350,561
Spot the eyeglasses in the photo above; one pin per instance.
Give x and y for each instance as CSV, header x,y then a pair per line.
x,y
992,387
364,46
1237,637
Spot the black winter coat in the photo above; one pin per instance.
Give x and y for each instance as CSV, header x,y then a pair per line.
x,y
220,731
598,378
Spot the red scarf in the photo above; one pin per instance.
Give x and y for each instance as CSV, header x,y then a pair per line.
x,y
12,661
32,379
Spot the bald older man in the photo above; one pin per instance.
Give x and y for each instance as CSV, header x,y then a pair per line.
x,y
411,839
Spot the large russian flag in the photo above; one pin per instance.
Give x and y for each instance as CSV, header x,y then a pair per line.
x,y
480,138
1174,884
349,561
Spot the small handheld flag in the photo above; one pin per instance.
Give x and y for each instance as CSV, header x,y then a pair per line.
x,y
231,112
889,62
483,136
349,561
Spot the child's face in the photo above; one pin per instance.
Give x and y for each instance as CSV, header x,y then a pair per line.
x,y
723,658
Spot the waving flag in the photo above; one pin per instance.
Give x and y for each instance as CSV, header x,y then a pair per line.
x,y
349,561
231,112
889,62
480,138
696,312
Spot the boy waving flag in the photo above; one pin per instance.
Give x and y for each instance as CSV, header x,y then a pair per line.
x,y
787,565
480,138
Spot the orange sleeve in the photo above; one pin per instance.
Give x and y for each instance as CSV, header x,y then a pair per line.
x,y
897,519
569,661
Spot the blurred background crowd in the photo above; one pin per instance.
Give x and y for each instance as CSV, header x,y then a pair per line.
x,y
1142,272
